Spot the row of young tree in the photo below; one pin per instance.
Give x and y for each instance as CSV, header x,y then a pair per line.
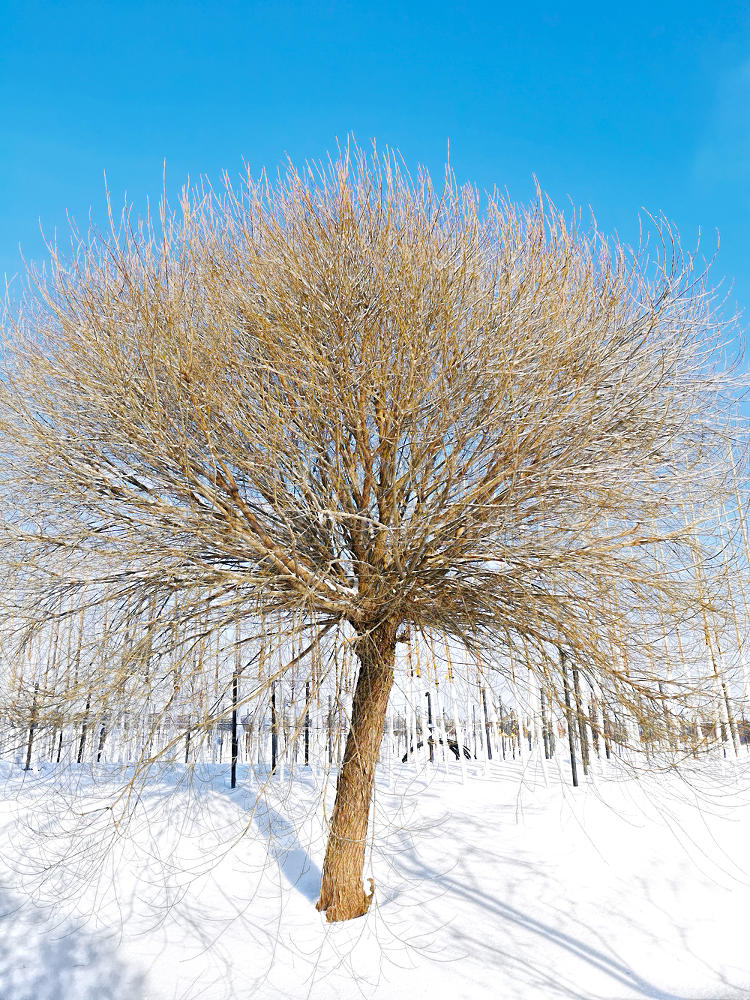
x,y
284,734
369,413
55,711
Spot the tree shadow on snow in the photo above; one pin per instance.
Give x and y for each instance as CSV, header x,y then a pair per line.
x,y
42,959
481,943
295,863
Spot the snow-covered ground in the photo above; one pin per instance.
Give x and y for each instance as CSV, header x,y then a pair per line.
x,y
495,887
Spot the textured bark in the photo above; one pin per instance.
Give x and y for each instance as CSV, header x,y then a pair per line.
x,y
342,894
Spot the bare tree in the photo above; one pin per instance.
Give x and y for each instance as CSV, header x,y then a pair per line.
x,y
354,401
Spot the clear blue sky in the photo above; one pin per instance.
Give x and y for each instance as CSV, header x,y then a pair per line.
x,y
617,106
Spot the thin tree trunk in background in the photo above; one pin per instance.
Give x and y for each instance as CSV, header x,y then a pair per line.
x,y
274,728
668,735
55,664
569,716
729,717
330,730
235,698
32,727
71,626
235,743
456,721
307,723
581,721
83,728
430,738
594,713
342,894
545,731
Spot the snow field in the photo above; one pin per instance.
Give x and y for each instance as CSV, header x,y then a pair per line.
x,y
499,886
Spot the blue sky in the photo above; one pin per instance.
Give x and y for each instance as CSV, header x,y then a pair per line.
x,y
616,106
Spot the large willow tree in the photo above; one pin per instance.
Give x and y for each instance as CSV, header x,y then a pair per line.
x,y
355,401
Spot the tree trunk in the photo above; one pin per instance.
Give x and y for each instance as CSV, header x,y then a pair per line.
x,y
342,894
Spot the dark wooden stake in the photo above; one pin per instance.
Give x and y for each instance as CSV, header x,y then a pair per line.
x,y
274,728
330,730
32,727
430,727
569,716
102,738
307,723
235,744
545,731
581,721
487,726
83,728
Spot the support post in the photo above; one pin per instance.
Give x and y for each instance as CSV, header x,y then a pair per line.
x,y
569,718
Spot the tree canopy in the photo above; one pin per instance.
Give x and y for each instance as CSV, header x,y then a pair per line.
x,y
352,399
